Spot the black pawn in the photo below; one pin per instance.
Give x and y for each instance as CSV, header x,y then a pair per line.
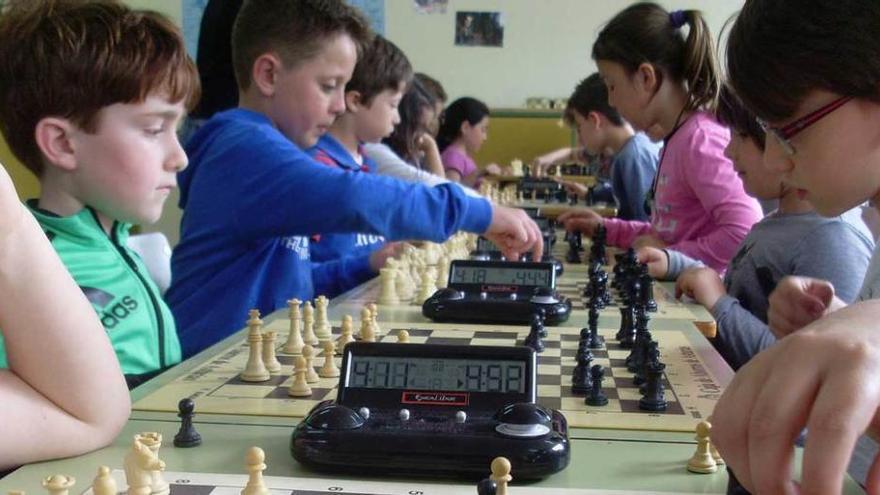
x,y
574,242
581,381
187,436
594,341
536,333
654,399
646,289
597,396
626,323
487,487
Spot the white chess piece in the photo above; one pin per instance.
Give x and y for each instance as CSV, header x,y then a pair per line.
x,y
59,484
254,462
270,361
702,461
153,441
294,342
104,484
329,369
308,312
323,329
255,370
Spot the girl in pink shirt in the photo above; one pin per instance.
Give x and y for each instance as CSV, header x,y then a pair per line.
x,y
667,86
463,129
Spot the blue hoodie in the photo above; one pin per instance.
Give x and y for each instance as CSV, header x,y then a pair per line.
x,y
356,248
250,197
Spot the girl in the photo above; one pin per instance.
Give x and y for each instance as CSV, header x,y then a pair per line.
x,y
667,86
411,139
810,71
463,128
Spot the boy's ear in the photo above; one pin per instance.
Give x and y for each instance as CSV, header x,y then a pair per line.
x,y
54,137
265,72
595,119
647,78
353,101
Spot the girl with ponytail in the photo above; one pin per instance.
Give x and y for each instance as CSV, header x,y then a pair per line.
x,y
667,84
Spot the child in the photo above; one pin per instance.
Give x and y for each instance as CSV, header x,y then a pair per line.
x,y
463,128
794,240
438,95
251,194
105,151
809,70
411,139
343,261
63,393
667,86
602,131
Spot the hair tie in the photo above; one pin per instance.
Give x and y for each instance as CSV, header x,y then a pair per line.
x,y
677,18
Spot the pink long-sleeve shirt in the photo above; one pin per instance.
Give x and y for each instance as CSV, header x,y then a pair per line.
x,y
700,206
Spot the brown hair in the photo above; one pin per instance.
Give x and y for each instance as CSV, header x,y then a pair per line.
x,y
433,86
777,52
295,29
732,113
647,33
381,66
70,59
590,95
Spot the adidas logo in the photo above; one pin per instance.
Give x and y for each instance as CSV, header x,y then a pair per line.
x,y
110,315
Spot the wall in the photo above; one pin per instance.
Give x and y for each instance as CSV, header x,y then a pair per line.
x,y
546,44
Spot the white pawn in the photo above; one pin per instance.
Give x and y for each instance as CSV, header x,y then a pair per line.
x,y
323,330
402,283
255,370
702,461
366,331
294,342
104,484
347,335
403,337
270,361
329,369
501,474
309,355
427,288
300,387
59,484
374,319
254,462
309,336
387,288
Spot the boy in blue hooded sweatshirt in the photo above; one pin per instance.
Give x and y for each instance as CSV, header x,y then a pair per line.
x,y
251,196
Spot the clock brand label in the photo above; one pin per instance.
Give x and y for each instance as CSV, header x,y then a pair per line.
x,y
435,398
499,288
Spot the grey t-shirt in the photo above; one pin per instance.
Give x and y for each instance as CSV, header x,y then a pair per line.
x,y
805,244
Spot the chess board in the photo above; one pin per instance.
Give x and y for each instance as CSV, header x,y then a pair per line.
x,y
691,386
183,483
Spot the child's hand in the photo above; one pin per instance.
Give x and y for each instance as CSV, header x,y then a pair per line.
x,y
701,284
581,220
572,187
426,143
379,257
648,240
824,378
656,259
797,302
493,169
515,233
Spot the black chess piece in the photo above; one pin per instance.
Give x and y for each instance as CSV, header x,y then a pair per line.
x,y
646,289
581,379
654,399
626,323
187,436
574,240
597,396
594,342
487,487
536,334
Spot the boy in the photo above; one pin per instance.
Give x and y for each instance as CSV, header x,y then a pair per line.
x,y
343,261
63,393
95,119
809,70
251,194
602,131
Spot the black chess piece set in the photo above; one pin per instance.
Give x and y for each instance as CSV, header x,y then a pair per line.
x,y
575,246
636,291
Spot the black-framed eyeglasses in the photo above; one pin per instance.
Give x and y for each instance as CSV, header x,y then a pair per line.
x,y
784,134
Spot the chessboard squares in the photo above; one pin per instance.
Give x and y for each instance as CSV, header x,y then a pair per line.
x,y
251,390
392,337
549,369
319,393
509,342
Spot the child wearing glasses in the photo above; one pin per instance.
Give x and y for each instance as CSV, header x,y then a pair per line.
x,y
793,240
667,85
810,70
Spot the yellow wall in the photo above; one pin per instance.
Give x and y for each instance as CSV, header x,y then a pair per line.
x,y
522,135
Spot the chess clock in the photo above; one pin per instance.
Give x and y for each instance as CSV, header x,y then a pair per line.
x,y
410,409
487,250
498,292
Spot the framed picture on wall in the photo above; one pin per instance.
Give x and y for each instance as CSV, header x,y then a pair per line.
x,y
479,29
430,6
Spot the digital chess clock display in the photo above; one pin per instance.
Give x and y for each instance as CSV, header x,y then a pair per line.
x,y
437,374
486,274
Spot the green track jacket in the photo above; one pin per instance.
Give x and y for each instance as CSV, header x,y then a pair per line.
x,y
116,282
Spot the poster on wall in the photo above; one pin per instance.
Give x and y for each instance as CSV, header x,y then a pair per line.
x,y
479,29
430,6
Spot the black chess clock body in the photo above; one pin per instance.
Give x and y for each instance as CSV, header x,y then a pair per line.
x,y
406,409
506,292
